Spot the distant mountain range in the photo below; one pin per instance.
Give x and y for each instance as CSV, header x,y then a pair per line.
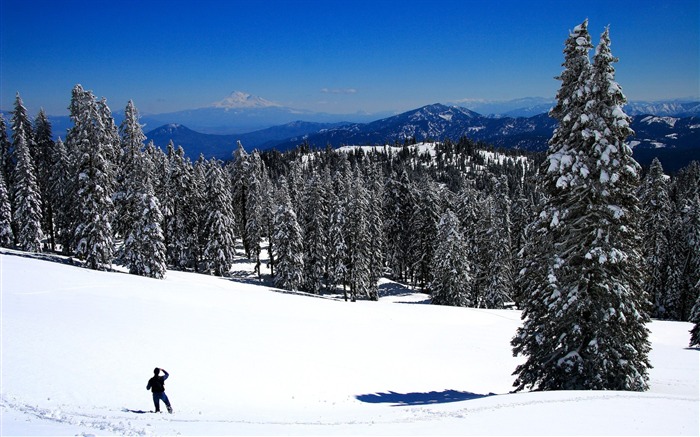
x,y
242,113
667,128
222,146
531,106
675,140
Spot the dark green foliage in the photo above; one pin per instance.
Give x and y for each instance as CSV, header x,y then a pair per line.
x,y
584,308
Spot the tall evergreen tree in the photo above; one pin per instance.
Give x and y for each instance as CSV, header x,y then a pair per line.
x,y
198,205
423,228
400,201
184,217
44,165
21,125
289,245
357,239
315,222
375,188
6,235
495,262
656,214
255,204
28,199
336,267
584,318
144,246
451,284
61,196
140,218
6,161
91,142
219,252
267,209
683,269
240,178
128,179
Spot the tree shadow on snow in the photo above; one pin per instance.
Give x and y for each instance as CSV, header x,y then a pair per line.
x,y
394,289
433,397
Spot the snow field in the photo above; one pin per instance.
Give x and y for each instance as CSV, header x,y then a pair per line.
x,y
78,346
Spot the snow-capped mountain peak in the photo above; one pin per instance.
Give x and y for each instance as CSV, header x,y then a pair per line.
x,y
239,99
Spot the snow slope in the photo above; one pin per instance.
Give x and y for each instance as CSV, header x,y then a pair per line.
x,y
78,347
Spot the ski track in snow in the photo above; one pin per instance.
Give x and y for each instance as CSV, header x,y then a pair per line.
x,y
125,423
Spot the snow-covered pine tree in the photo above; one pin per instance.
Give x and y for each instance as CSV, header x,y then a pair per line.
x,y
128,180
28,211
423,231
184,211
20,123
656,211
315,224
6,162
140,217
524,207
164,191
683,271
451,284
144,245
295,184
585,309
336,267
198,204
111,141
240,169
44,165
219,252
7,238
267,215
90,141
399,203
255,204
60,197
160,166
494,242
537,281
375,187
288,242
357,239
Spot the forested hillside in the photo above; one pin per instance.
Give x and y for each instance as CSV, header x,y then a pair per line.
x,y
332,218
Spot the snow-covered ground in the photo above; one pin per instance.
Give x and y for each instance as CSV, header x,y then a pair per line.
x,y
78,347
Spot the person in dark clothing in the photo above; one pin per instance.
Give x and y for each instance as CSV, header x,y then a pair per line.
x,y
157,386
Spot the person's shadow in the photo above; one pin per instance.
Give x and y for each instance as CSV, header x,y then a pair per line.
x,y
433,397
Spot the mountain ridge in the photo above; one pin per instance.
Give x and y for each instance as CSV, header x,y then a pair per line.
x,y
675,139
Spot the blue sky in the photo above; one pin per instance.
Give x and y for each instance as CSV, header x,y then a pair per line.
x,y
331,56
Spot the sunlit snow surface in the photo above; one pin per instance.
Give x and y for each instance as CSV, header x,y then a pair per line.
x,y
78,347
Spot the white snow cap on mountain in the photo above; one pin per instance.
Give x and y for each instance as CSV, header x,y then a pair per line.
x,y
238,99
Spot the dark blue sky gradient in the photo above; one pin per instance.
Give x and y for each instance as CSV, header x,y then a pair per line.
x,y
331,56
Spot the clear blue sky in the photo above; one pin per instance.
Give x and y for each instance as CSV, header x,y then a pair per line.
x,y
332,56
